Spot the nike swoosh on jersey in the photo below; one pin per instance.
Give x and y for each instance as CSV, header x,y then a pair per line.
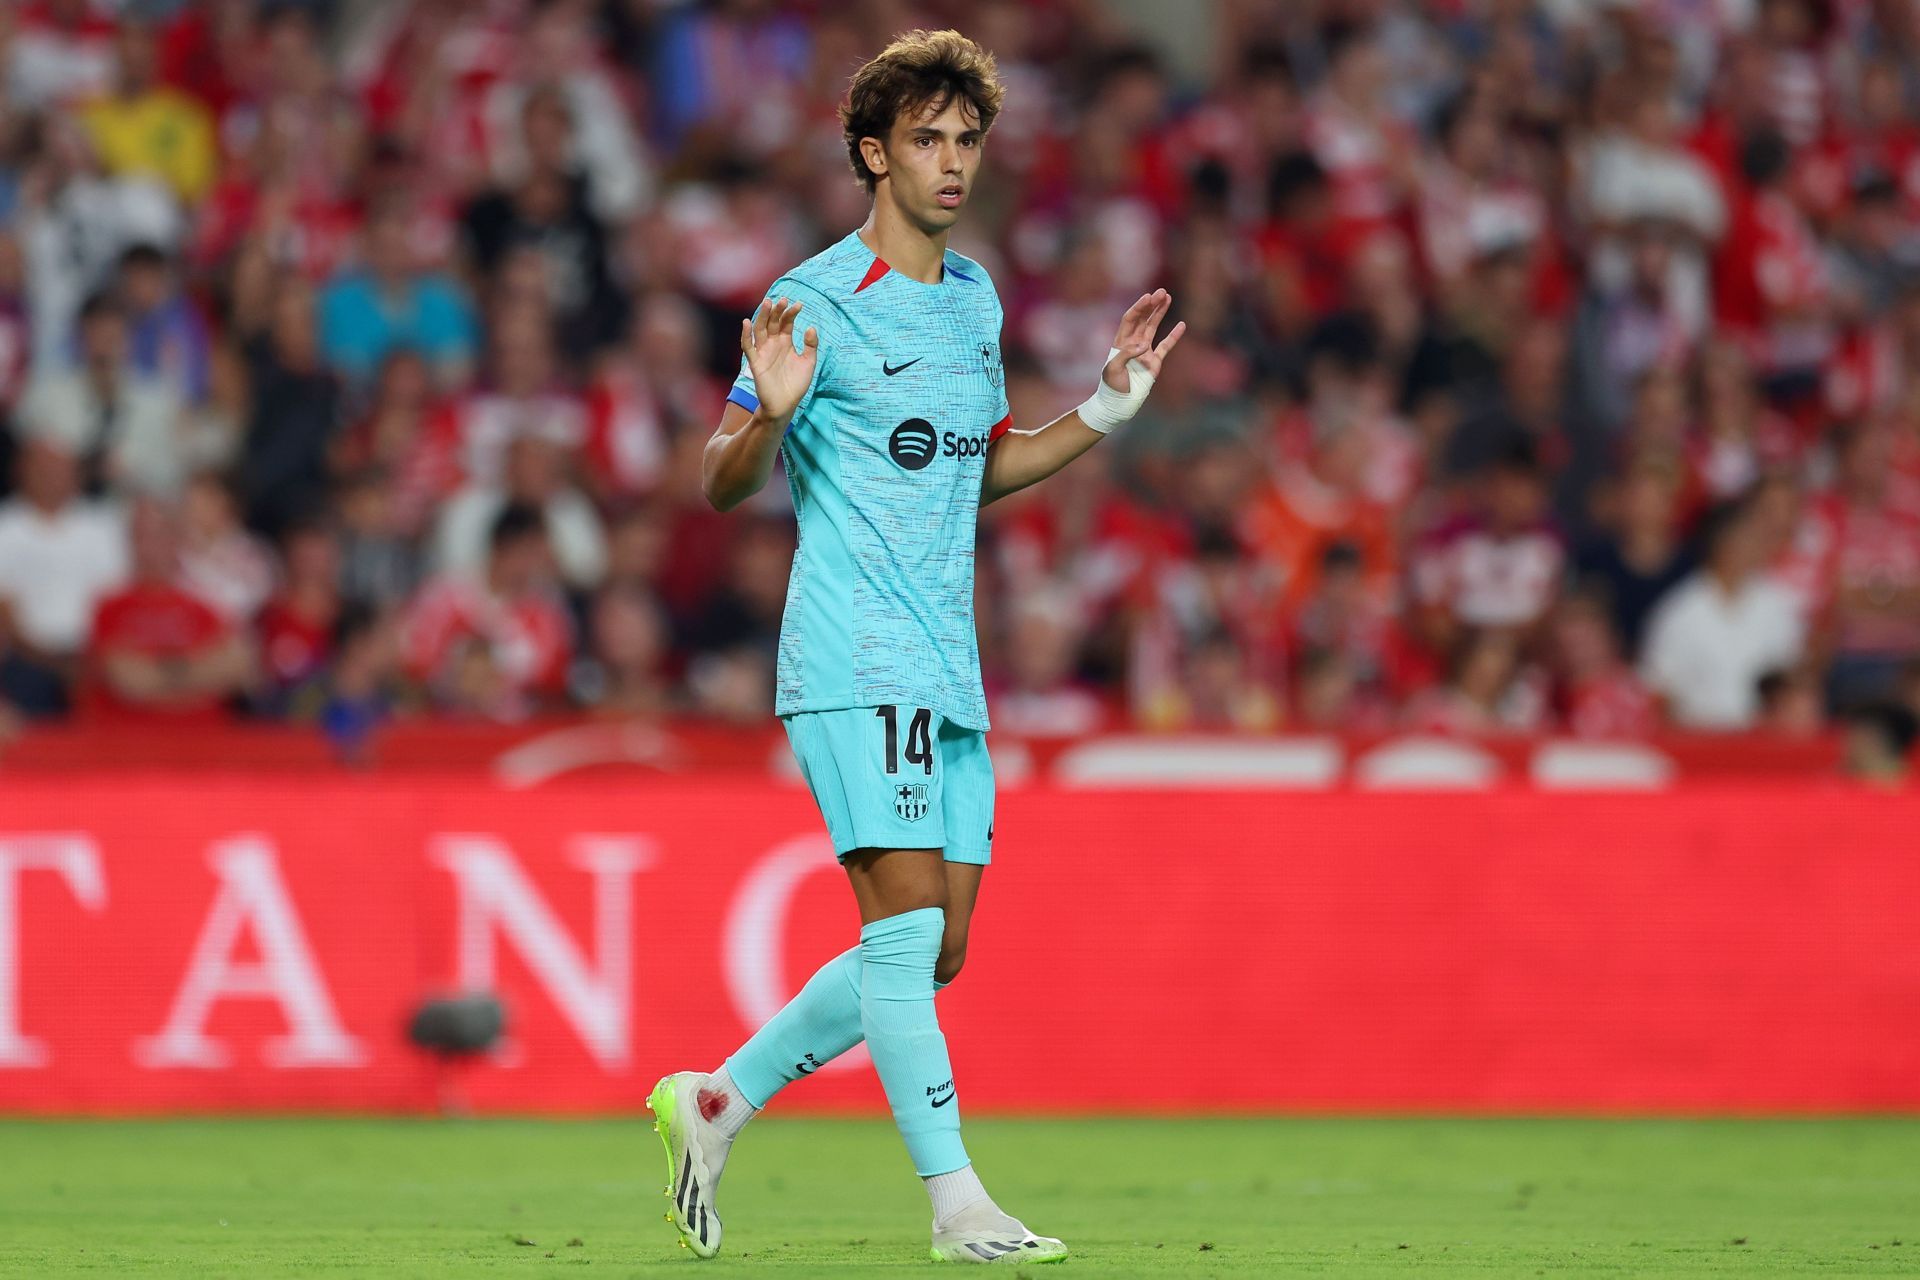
x,y
891,369
941,1102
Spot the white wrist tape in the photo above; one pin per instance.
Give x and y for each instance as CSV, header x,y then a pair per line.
x,y
1106,408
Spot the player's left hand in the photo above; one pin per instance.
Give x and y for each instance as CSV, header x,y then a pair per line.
x,y
1135,339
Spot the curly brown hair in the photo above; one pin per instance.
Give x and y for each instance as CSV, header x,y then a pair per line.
x,y
918,69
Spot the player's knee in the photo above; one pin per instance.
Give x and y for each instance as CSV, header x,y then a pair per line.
x,y
953,957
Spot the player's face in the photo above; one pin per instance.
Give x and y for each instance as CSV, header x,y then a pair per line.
x,y
931,158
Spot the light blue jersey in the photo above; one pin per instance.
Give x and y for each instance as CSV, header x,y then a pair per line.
x,y
884,457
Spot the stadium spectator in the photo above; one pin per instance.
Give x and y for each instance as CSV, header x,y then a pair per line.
x,y
1714,635
389,301
1209,650
296,403
1740,440
220,561
1302,251
526,394
722,240
1656,213
74,222
1632,320
1329,698
1771,279
1489,690
1217,691
360,687
1597,695
735,632
60,555
128,430
295,628
156,651
1879,744
379,563
1874,244
1347,614
549,210
1792,704
1471,202
167,339
644,392
394,438
1498,567
60,52
624,671
1366,149
1875,578
1043,696
16,330
639,545
533,477
497,645
148,128
559,53
1311,508
1642,554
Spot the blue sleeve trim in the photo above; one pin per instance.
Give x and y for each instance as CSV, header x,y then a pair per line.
x,y
744,398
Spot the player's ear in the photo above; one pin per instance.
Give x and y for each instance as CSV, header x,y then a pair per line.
x,y
874,152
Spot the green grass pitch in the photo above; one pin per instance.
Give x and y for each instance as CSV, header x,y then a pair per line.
x,y
1136,1197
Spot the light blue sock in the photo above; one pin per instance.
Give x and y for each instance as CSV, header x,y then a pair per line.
x,y
820,1023
897,956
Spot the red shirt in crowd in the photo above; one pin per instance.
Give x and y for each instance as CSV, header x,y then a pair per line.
x,y
1768,278
530,638
155,621
1870,551
293,647
1613,705
1482,578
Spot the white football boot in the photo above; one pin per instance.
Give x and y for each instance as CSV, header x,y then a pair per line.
x,y
696,1153
981,1233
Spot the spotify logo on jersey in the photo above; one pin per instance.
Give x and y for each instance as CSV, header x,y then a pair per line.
x,y
912,444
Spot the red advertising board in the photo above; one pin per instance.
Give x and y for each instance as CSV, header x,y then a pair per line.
x,y
536,752
195,942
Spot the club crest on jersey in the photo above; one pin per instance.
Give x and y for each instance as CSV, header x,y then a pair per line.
x,y
990,360
910,800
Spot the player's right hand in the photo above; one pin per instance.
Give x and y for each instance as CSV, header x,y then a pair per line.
x,y
780,373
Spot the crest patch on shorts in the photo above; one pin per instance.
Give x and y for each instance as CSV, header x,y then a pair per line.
x,y
910,800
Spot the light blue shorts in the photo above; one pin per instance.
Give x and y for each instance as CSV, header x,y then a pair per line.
x,y
897,778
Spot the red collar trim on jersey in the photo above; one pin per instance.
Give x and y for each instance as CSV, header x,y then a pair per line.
x,y
874,272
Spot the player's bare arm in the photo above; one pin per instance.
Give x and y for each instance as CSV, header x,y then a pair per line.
x,y
739,457
1020,458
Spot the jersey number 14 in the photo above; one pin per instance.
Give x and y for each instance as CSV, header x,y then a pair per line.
x,y
919,738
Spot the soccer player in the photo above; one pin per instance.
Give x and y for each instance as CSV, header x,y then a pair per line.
x,y
889,408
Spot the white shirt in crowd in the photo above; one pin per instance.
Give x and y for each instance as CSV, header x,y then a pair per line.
x,y
573,531
1706,648
55,569
143,430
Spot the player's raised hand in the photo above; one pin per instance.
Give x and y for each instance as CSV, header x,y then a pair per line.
x,y
1134,341
780,373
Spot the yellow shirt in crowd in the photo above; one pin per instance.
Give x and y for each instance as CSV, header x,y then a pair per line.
x,y
163,134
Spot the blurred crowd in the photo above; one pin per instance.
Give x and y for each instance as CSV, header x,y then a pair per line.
x,y
1551,367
